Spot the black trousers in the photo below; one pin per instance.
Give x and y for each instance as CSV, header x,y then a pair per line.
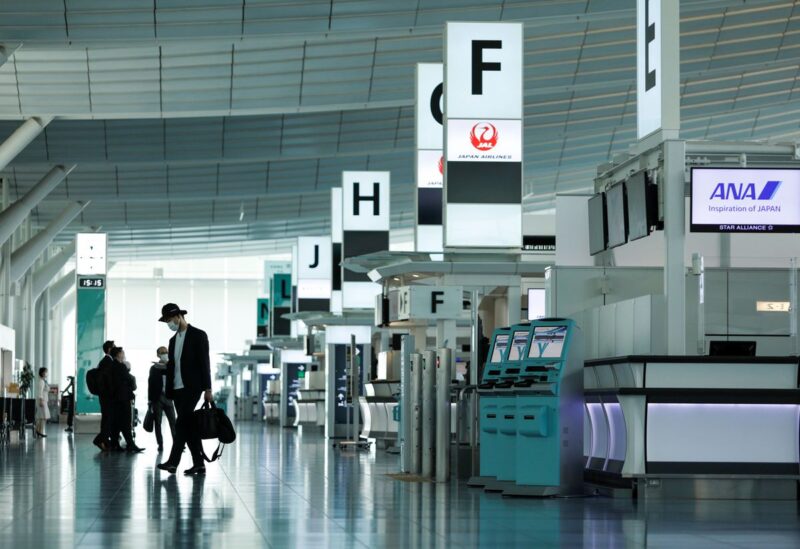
x,y
107,422
124,423
185,431
163,407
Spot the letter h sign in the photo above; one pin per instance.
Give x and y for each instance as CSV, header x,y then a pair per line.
x,y
366,201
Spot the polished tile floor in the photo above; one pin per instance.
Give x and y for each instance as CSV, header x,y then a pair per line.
x,y
284,488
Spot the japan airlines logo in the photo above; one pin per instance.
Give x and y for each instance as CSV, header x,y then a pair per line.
x,y
441,165
483,136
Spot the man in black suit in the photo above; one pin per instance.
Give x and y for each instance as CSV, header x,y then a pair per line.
x,y
107,421
188,378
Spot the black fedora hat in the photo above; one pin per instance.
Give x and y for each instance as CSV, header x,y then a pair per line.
x,y
169,310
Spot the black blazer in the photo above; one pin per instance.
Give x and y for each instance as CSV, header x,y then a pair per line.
x,y
155,383
195,362
108,386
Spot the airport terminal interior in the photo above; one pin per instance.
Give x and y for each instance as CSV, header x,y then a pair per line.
x,y
403,274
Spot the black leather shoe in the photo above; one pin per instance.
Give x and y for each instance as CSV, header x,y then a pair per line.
x,y
168,467
134,450
196,470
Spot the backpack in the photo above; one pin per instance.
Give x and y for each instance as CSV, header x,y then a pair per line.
x,y
94,382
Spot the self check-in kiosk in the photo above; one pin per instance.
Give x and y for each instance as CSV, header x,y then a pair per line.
x,y
490,401
531,410
549,397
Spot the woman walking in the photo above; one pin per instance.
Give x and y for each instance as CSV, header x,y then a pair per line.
x,y
42,408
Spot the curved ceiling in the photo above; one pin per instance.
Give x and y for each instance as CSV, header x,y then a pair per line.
x,y
184,115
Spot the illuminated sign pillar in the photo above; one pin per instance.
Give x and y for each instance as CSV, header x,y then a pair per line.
x,y
90,317
483,135
365,229
428,230
336,250
280,298
314,273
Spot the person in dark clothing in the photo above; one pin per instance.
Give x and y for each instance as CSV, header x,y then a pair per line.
x,y
188,379
156,397
107,422
125,385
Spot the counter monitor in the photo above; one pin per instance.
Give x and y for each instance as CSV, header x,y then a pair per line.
x,y
548,342
517,350
499,349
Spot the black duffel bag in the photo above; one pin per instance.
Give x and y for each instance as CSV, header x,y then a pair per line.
x,y
211,422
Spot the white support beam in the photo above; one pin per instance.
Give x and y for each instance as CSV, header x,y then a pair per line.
x,y
47,272
61,287
23,258
21,138
13,216
6,52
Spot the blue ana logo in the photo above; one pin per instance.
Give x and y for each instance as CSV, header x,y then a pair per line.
x,y
744,191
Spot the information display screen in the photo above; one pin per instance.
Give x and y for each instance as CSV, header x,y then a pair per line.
x,y
598,228
616,216
499,349
745,200
548,342
98,282
642,205
518,344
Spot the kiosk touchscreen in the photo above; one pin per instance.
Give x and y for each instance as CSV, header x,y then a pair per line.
x,y
497,353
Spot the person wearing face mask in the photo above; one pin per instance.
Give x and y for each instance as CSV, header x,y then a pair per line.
x,y
126,385
188,379
157,399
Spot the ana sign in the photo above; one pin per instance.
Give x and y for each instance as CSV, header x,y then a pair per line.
x,y
745,200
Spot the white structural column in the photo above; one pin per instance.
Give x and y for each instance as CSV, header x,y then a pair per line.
x,y
42,276
25,255
21,138
13,216
674,237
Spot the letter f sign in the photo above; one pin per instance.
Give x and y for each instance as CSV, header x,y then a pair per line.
x,y
479,66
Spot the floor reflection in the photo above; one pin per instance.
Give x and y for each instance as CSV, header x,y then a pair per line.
x,y
282,488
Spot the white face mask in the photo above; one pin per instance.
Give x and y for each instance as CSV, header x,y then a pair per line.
x,y
172,325
164,357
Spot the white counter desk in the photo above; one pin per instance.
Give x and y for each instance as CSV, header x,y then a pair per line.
x,y
693,426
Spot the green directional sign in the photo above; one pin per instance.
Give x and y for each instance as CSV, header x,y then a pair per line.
x,y
281,299
91,331
262,317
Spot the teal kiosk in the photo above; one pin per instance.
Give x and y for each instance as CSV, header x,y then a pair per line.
x,y
549,395
490,401
538,396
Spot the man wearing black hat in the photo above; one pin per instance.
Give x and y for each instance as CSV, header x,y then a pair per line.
x,y
188,378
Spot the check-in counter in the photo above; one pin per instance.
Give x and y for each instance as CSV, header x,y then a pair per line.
x,y
694,426
377,408
311,406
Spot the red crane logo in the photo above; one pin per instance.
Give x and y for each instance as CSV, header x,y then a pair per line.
x,y
483,136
